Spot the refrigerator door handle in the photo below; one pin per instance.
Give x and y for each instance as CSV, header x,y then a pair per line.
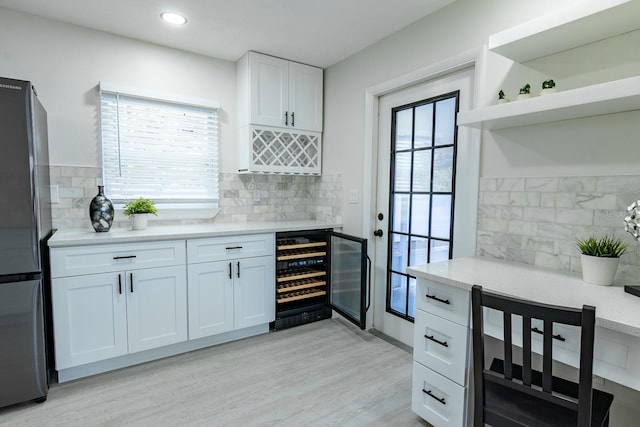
x,y
368,284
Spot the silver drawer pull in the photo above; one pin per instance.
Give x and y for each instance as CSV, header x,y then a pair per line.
x,y
439,399
124,257
431,338
435,298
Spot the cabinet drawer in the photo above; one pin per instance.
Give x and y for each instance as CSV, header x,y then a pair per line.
x,y
441,345
78,260
437,399
445,301
230,247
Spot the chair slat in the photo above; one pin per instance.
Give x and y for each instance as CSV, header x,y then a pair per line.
x,y
526,350
506,336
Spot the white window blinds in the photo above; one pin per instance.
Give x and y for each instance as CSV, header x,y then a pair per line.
x,y
164,151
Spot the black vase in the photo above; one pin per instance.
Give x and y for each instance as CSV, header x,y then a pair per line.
x,y
101,211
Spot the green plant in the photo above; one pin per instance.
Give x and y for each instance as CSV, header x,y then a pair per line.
x,y
140,206
548,84
525,89
606,246
501,94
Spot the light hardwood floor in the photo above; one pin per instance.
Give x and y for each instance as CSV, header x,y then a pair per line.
x,y
326,373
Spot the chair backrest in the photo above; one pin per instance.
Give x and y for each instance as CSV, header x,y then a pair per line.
x,y
527,381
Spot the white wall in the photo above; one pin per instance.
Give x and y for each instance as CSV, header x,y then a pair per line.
x,y
558,149
66,63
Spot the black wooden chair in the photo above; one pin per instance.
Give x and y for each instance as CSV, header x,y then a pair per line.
x,y
508,394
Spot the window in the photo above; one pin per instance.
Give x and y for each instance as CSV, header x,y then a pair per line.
x,y
423,144
164,150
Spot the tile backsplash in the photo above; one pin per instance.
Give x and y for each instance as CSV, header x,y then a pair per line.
x,y
242,198
536,220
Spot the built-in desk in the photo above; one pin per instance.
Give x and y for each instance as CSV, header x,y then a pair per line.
x,y
443,292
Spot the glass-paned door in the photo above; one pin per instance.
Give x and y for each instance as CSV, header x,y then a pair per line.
x,y
421,202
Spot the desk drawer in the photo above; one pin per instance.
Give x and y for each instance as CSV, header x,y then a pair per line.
x,y
441,345
438,400
79,260
230,247
444,301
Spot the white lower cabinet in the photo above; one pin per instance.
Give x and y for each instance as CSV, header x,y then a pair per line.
x,y
100,316
233,289
441,351
135,301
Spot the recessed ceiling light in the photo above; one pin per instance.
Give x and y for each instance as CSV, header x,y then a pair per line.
x,y
173,18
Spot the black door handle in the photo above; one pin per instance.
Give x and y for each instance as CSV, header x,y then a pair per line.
x,y
131,281
293,120
378,233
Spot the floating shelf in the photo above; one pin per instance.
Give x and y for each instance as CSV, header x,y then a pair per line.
x,y
566,28
604,98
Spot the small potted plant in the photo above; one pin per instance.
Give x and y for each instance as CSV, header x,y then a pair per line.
x,y
525,92
139,211
502,99
600,258
548,86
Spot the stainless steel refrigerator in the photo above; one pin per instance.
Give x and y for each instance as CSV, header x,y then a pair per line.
x,y
25,225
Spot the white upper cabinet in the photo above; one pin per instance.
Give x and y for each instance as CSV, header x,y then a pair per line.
x,y
279,116
284,93
268,90
305,97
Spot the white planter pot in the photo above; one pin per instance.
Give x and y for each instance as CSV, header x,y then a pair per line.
x,y
503,100
599,270
139,221
548,91
524,96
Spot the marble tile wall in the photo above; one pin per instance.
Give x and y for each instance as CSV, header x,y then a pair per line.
x,y
281,197
536,220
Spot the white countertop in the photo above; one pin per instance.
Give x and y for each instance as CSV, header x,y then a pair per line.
x,y
75,237
615,309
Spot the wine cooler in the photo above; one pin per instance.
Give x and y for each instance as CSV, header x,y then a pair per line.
x,y
319,271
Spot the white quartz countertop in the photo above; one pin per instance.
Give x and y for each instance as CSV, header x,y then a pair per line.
x,y
76,237
615,309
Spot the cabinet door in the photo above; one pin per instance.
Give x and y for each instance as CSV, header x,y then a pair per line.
x,y
156,307
210,298
254,291
305,97
268,90
89,318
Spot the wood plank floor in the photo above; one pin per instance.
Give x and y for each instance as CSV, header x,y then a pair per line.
x,y
326,373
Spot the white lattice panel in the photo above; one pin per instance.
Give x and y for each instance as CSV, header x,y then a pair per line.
x,y
283,151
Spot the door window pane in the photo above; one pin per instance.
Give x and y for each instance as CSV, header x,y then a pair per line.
x,y
422,170
439,250
424,126
400,252
445,121
402,178
441,217
420,214
421,194
443,169
404,130
401,213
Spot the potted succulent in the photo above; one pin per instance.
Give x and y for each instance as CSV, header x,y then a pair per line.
x,y
139,211
525,92
548,86
502,99
600,258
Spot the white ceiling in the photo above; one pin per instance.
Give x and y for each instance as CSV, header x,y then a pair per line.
x,y
316,32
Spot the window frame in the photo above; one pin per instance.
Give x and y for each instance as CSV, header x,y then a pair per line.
x,y
192,209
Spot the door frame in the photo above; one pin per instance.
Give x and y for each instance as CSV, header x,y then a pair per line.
x,y
471,58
